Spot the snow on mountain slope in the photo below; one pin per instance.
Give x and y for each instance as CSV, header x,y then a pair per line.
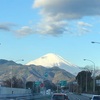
x,y
51,60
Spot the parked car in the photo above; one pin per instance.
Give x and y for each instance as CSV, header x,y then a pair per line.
x,y
95,97
59,96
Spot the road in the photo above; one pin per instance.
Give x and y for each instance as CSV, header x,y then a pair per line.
x,y
71,96
47,97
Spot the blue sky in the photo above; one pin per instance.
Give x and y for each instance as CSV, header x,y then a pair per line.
x,y
30,29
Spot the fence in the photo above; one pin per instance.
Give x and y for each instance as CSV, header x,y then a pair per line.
x,y
14,92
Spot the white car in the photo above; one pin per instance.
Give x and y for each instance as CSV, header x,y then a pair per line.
x,y
95,97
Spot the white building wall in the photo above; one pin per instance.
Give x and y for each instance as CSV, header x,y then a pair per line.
x,y
6,90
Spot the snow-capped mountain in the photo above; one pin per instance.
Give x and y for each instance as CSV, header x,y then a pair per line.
x,y
51,60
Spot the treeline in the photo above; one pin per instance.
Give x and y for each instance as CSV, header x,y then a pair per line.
x,y
15,82
85,82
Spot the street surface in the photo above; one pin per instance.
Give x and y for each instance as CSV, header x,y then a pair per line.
x,y
71,96
43,98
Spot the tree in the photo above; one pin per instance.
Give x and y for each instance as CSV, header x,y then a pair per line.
x,y
81,79
31,85
16,82
49,85
98,86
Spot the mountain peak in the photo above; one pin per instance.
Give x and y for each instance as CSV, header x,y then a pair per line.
x,y
50,55
50,60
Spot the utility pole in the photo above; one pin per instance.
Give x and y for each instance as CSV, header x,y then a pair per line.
x,y
93,74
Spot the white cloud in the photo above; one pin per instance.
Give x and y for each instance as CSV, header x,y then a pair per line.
x,y
55,12
84,24
52,28
68,9
25,30
6,26
84,27
85,30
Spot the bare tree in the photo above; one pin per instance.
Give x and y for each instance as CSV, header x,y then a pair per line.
x,y
16,82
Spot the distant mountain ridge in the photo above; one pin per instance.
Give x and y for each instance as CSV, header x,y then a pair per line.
x,y
51,60
32,72
3,61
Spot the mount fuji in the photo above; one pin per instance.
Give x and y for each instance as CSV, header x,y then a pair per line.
x,y
52,60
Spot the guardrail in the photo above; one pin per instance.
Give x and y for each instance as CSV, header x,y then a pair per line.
x,y
87,95
6,92
15,96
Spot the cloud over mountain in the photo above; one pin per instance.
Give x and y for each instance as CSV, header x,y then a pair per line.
x,y
68,9
56,16
55,12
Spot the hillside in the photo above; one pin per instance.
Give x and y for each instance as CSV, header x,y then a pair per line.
x,y
32,72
